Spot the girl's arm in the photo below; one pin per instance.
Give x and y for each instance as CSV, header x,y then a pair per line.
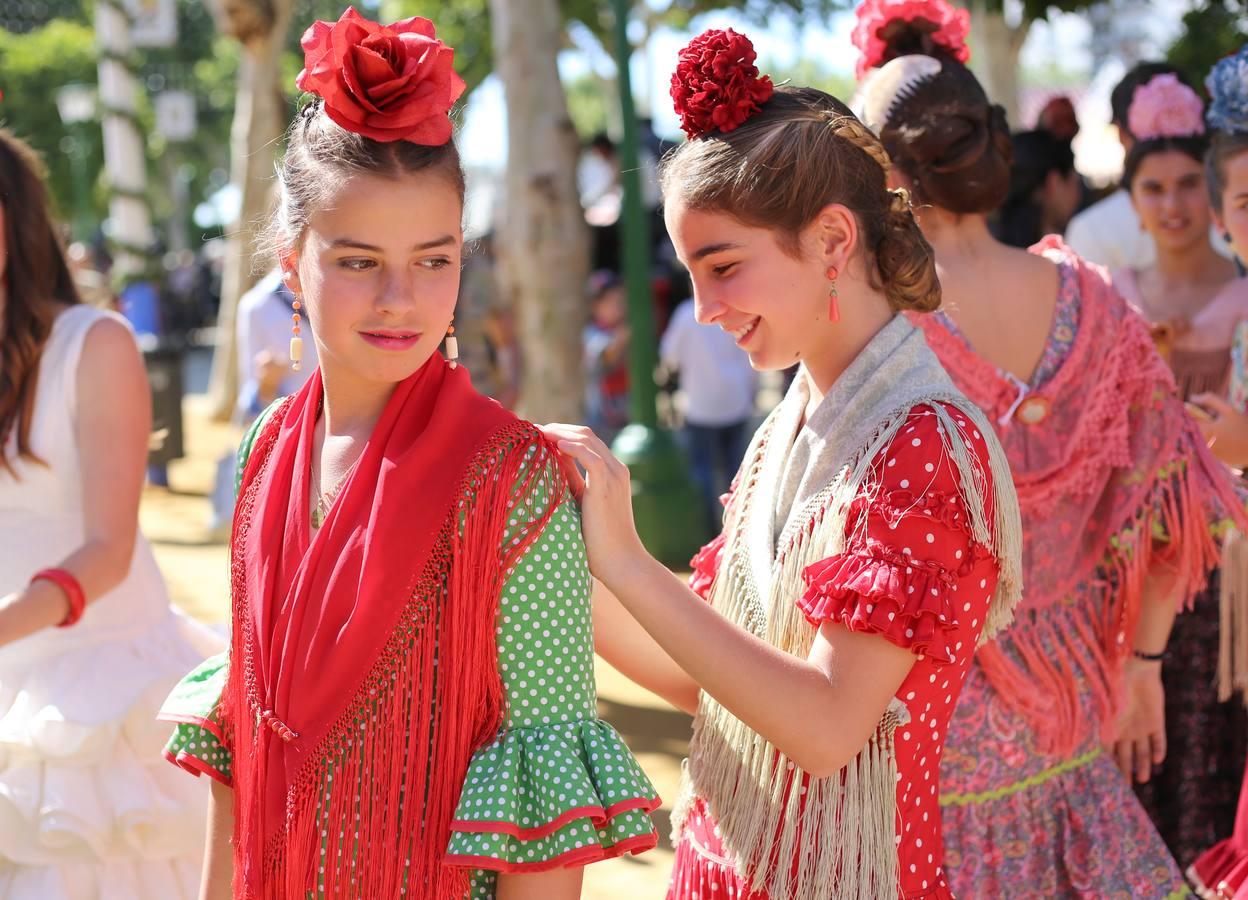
x,y
556,884
218,875
631,651
113,421
819,712
1225,429
1140,742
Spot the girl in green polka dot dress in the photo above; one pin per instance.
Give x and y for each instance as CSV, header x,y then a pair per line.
x,y
408,704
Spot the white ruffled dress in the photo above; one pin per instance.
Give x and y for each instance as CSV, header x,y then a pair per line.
x,y
88,808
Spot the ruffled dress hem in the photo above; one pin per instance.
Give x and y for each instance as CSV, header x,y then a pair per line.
x,y
552,796
1221,872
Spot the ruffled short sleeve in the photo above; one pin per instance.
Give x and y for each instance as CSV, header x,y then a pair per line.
x,y
557,787
199,743
911,570
704,565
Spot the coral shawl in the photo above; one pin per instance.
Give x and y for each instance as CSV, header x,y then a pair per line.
x,y
364,670
1114,481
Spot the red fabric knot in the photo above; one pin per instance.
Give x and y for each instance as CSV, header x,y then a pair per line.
x,y
716,85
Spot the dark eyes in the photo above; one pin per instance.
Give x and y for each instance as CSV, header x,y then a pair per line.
x,y
363,264
724,269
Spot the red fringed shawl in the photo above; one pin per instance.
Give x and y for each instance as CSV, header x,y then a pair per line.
x,y
1114,480
363,669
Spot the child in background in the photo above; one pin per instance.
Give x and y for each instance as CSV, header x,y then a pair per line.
x,y
606,356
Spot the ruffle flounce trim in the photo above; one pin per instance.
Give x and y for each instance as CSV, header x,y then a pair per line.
x,y
194,700
198,750
537,794
906,601
81,780
67,711
705,564
152,879
1220,873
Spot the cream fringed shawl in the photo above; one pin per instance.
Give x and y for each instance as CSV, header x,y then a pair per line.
x,y
833,837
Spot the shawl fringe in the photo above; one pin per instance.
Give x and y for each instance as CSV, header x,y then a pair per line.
x,y
789,833
369,811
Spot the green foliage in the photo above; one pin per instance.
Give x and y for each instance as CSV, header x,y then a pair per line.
x,y
1210,32
465,24
589,101
1031,9
811,72
33,66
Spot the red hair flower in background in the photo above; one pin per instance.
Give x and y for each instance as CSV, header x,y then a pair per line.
x,y
385,82
716,85
946,27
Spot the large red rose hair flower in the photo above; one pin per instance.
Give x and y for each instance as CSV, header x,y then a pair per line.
x,y
716,85
385,82
946,27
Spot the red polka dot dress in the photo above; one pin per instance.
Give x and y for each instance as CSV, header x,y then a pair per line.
x,y
912,573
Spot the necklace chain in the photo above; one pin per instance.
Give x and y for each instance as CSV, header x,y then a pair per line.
x,y
325,499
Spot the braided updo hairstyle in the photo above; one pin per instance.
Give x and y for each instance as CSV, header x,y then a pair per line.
x,y
951,142
800,152
321,156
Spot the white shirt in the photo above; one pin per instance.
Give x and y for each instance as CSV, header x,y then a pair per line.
x,y
715,374
1108,233
263,325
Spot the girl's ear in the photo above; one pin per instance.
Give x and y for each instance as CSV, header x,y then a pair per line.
x,y
288,261
833,235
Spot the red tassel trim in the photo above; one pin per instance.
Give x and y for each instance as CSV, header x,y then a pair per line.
x,y
597,815
369,814
582,856
1063,645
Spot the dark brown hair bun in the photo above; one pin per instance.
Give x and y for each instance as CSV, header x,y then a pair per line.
x,y
952,143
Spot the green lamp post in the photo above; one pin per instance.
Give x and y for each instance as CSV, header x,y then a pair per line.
x,y
666,505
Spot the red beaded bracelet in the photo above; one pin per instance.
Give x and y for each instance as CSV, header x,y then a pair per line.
x,y
73,590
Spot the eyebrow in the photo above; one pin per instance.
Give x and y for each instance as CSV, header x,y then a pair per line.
x,y
339,243
710,249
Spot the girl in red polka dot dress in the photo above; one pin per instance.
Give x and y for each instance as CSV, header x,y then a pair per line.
x,y
871,541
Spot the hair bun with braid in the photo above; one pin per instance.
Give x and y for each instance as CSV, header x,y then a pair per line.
x,y
905,259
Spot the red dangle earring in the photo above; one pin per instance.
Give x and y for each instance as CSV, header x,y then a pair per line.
x,y
452,347
834,306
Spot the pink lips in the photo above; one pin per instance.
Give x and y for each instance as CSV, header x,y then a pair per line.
x,y
391,340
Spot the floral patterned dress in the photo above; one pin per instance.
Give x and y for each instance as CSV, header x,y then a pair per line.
x,y
557,787
1018,820
916,577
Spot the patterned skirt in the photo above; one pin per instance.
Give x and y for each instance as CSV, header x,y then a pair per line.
x,y
1022,823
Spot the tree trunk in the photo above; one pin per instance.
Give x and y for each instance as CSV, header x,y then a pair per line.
x,y
542,242
995,53
255,135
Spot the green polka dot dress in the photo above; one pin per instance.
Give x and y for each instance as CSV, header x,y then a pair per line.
x,y
557,786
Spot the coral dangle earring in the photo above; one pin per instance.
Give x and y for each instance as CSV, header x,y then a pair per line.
x,y
834,304
452,347
296,342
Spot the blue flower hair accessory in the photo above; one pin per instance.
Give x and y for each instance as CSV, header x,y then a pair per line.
x,y
1228,92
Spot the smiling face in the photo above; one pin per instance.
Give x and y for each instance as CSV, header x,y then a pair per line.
x,y
378,272
1168,193
1233,219
745,282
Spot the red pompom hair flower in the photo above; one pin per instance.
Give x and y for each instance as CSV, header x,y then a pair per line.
x,y
716,85
385,82
946,25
